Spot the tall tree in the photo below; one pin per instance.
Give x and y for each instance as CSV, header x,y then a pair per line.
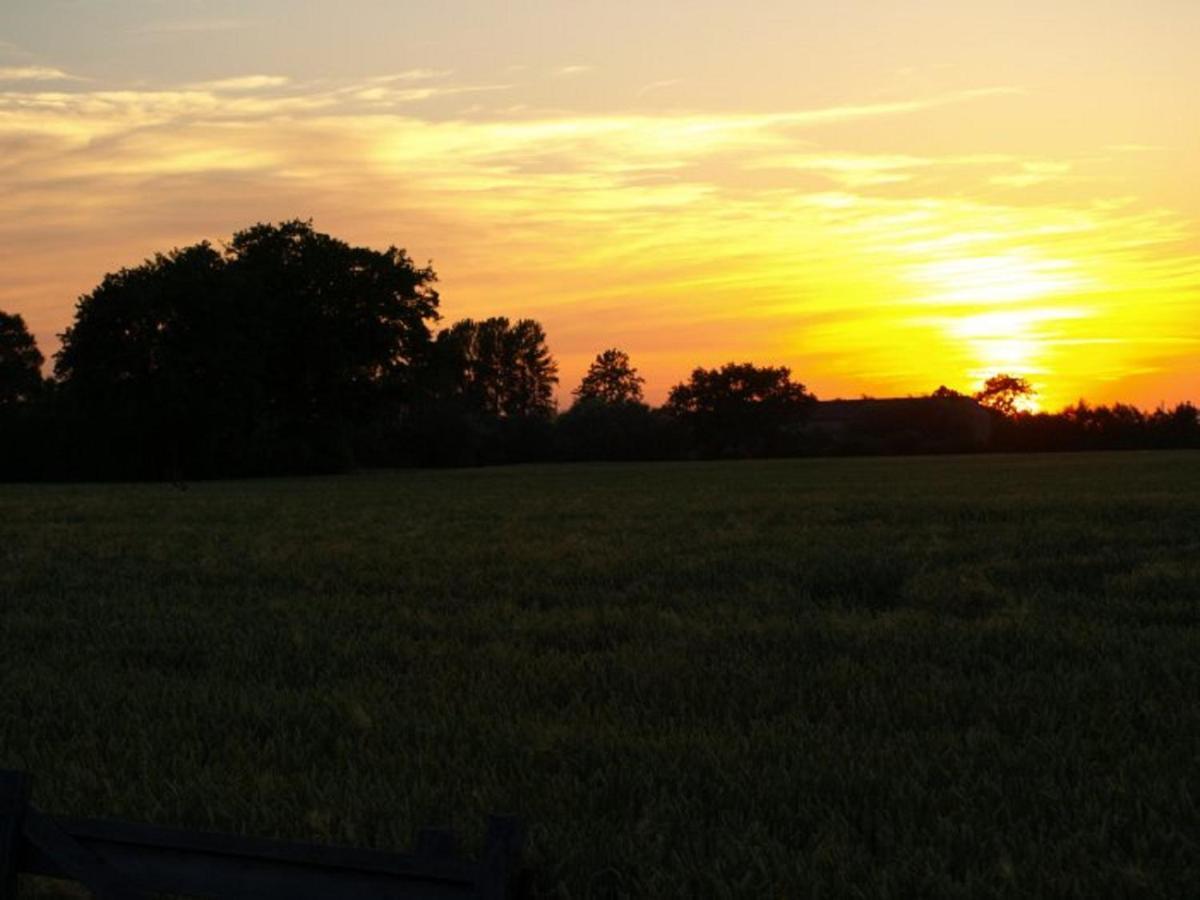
x,y
323,328
1003,393
20,361
484,395
741,409
500,369
611,379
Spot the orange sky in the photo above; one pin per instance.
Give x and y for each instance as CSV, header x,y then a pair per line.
x,y
883,199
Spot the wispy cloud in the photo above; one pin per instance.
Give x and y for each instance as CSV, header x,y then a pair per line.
x,y
243,83
658,86
411,75
190,26
382,95
35,73
1135,148
568,71
893,107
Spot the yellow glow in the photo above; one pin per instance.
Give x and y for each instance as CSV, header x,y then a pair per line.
x,y
1004,278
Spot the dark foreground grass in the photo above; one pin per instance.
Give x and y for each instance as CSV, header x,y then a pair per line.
x,y
869,678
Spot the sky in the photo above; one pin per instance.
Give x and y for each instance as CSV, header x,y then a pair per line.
x,y
883,196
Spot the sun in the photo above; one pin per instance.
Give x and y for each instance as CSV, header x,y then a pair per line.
x,y
1006,312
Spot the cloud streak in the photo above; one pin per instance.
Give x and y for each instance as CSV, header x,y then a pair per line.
x,y
247,83
35,73
654,86
189,26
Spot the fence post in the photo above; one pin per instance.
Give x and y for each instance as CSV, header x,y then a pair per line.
x,y
14,800
501,856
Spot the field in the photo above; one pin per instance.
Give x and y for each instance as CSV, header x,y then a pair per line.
x,y
974,677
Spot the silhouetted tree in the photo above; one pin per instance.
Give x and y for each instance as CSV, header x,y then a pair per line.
x,y
1177,427
1115,427
608,419
1082,426
20,362
611,378
136,366
945,393
485,395
331,334
263,358
24,425
502,369
594,430
1001,393
741,409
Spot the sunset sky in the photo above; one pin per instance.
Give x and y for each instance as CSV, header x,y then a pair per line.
x,y
884,196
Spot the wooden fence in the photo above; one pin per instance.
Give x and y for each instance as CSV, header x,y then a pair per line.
x,y
122,860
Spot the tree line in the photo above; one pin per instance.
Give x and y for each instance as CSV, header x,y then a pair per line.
x,y
290,351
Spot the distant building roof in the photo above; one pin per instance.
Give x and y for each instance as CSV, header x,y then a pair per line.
x,y
891,405
933,423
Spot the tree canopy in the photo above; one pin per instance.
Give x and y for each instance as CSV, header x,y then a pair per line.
x,y
945,393
258,357
1002,393
741,409
496,367
611,378
20,361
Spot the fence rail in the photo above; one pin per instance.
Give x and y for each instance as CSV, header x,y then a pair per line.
x,y
124,860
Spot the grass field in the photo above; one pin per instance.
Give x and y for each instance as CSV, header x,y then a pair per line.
x,y
973,677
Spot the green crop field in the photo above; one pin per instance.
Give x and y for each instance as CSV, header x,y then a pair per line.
x,y
958,677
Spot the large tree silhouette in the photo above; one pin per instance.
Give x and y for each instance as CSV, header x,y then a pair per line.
x,y
611,378
263,357
741,409
1003,392
20,362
